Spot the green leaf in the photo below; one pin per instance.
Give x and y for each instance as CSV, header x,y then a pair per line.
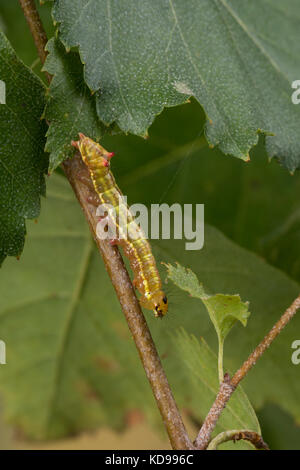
x,y
70,106
22,159
200,362
238,59
224,310
71,364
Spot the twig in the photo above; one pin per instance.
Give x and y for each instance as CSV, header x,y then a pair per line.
x,y
36,28
237,435
228,386
119,277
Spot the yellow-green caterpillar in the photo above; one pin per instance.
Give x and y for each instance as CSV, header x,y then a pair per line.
x,y
137,248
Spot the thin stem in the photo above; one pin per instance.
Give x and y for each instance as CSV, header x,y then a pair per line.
x,y
225,392
220,360
237,435
119,276
228,386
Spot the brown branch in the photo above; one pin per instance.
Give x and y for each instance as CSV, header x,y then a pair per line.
x,y
228,386
238,435
119,276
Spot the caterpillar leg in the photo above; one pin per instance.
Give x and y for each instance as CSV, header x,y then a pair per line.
x,y
93,199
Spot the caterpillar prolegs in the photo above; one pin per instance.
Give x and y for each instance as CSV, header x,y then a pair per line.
x,y
136,248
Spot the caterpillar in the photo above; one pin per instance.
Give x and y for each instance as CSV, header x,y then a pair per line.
x,y
136,248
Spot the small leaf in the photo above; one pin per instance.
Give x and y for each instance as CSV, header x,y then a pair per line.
x,y
70,106
23,162
224,310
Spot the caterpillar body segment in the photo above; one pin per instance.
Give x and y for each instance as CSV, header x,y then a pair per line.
x,y
135,246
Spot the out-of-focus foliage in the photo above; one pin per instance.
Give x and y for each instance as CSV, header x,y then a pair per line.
x,y
14,25
258,211
279,428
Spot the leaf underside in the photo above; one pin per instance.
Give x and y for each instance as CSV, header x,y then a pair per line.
x,y
238,59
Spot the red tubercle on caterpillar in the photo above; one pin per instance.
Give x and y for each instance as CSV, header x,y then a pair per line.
x,y
75,144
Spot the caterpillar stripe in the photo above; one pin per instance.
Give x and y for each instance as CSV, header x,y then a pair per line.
x,y
136,249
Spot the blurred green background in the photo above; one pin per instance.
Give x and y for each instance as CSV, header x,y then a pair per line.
x,y
255,204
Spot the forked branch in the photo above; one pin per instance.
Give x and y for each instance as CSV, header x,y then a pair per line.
x,y
131,308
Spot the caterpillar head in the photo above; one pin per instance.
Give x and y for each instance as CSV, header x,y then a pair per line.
x,y
160,303
157,301
93,154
